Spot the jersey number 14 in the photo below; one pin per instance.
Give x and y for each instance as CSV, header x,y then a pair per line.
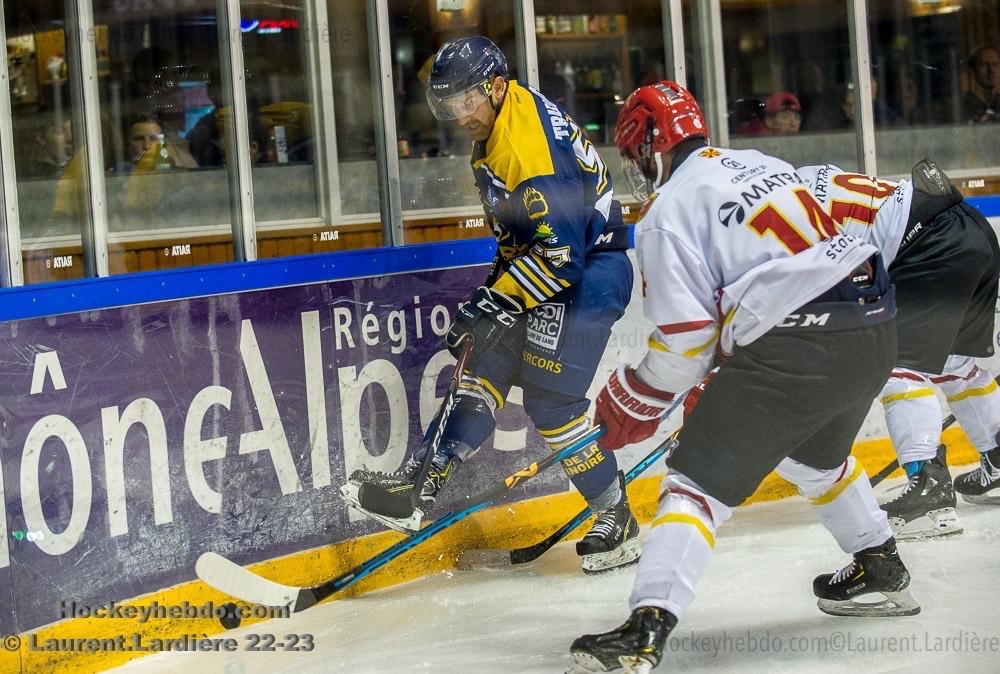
x,y
771,220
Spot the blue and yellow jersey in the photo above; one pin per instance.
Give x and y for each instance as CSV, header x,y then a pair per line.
x,y
546,192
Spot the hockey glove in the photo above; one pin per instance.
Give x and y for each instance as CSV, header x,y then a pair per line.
x,y
486,318
629,409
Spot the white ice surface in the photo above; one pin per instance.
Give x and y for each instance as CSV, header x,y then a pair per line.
x,y
758,586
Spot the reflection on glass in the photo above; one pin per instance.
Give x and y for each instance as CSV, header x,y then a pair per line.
x,y
160,92
590,62
937,76
49,160
434,155
788,79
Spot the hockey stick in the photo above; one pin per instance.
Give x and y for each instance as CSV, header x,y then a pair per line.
x,y
375,498
527,554
237,581
891,467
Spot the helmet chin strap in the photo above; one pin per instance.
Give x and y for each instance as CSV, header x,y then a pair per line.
x,y
658,158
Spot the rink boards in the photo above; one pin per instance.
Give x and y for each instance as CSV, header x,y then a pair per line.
x,y
137,437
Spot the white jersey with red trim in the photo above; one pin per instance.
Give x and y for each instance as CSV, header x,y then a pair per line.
x,y
729,247
863,206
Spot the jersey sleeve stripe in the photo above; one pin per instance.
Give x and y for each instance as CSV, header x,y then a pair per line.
x,y
690,326
530,284
534,266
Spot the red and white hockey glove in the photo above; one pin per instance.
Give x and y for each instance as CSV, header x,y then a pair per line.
x,y
694,394
629,409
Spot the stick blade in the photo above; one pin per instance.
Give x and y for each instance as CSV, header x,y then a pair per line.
x,y
378,500
484,558
237,581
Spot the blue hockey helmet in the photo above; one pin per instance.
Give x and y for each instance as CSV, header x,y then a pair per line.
x,y
462,74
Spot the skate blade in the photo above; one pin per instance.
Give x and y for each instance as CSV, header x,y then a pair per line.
x,y
624,555
941,522
991,497
406,525
585,663
483,558
893,604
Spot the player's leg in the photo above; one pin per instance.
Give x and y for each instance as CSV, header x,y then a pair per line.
x,y
974,398
481,391
563,346
926,504
613,539
765,401
845,503
946,284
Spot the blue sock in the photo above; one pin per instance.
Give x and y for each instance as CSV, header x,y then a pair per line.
x,y
913,467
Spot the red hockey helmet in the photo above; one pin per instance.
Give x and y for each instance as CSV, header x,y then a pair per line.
x,y
656,118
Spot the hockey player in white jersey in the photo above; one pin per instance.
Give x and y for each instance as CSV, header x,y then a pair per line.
x,y
943,258
738,258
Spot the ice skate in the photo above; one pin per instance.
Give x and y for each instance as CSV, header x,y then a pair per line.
x,y
926,506
613,541
982,485
401,482
636,646
874,571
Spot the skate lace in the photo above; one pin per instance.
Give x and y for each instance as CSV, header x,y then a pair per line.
x,y
604,525
909,487
987,471
844,573
410,467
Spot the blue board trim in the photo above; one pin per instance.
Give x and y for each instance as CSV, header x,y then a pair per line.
x,y
90,294
988,206
50,299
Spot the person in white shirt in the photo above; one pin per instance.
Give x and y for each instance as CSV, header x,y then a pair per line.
x,y
943,258
741,264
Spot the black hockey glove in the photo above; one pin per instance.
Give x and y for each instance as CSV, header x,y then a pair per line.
x,y
486,317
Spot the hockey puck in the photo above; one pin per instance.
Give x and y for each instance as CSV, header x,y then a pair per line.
x,y
229,617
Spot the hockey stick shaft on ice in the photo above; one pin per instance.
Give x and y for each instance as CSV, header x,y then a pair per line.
x,y
891,467
376,499
532,552
237,581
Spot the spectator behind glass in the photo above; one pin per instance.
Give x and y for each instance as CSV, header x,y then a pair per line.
x,y
981,104
45,144
143,139
844,117
782,114
746,117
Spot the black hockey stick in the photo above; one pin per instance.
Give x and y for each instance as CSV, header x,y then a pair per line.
x,y
237,581
891,467
499,557
376,499
527,554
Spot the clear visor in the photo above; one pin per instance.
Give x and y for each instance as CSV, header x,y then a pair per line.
x,y
457,105
637,182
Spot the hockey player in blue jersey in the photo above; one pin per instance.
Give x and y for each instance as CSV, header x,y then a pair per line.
x,y
560,280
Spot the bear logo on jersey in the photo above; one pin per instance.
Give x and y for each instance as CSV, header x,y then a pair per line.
x,y
730,211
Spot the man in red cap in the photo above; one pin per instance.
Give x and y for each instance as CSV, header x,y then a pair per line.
x,y
782,113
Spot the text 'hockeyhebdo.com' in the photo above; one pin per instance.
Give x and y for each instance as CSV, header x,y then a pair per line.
x,y
143,613
839,642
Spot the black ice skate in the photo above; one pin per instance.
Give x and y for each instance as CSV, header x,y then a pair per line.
x,y
401,482
874,571
636,646
613,541
926,506
982,485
